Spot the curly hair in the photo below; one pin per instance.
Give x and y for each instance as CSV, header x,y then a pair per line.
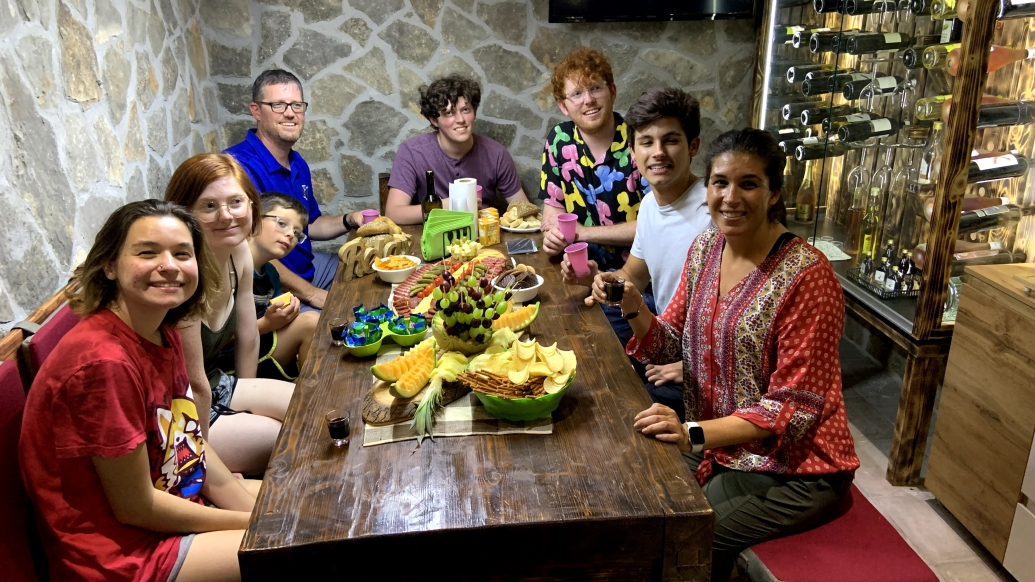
x,y
762,145
196,173
660,102
445,92
99,292
582,66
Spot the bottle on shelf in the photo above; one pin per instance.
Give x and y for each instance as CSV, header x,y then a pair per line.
x,y
999,57
819,83
1006,113
788,192
961,247
775,102
877,41
819,114
952,31
805,200
858,185
996,166
889,250
992,217
790,145
856,7
1008,9
942,9
869,239
920,7
866,268
789,132
913,57
837,84
886,85
821,149
938,106
937,56
801,38
431,200
825,42
893,280
960,262
881,272
863,130
796,74
969,203
793,110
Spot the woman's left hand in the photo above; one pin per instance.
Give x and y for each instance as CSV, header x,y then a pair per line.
x,y
663,423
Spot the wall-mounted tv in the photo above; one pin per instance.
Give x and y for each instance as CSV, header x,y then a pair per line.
x,y
648,10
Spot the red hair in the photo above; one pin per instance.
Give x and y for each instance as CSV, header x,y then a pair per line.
x,y
582,66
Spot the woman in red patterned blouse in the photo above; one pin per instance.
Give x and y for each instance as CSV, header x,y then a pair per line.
x,y
757,329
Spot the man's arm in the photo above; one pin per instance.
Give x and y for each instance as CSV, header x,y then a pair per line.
x,y
518,196
331,227
303,289
618,235
399,209
135,501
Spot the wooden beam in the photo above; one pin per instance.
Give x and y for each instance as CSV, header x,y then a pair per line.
x,y
10,342
913,421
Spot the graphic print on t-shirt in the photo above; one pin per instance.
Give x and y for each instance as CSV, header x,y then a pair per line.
x,y
182,466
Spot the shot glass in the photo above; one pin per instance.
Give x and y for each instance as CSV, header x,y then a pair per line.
x,y
338,426
614,290
338,328
567,223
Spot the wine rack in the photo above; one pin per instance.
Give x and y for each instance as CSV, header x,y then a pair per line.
x,y
926,219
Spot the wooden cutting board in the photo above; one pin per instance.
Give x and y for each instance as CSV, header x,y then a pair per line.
x,y
381,408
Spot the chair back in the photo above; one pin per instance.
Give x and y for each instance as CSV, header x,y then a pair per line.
x,y
19,542
382,190
37,347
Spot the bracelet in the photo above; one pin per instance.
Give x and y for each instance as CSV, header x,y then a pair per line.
x,y
628,316
345,221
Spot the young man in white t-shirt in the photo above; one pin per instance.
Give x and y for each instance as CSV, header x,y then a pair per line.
x,y
664,124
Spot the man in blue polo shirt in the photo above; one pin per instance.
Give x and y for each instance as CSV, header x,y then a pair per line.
x,y
273,166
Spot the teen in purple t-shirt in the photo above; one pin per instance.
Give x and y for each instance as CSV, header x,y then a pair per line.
x,y
452,151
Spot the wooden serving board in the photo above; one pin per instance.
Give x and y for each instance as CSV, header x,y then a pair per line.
x,y
381,408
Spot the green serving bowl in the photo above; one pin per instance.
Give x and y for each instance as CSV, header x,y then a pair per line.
x,y
367,350
520,409
401,339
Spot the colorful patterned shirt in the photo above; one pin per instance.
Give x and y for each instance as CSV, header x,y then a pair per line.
x,y
601,192
765,352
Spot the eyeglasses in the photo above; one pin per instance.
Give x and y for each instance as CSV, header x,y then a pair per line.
x,y
580,95
284,228
281,107
208,211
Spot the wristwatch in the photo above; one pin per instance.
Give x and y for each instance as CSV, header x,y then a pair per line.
x,y
628,316
696,436
345,222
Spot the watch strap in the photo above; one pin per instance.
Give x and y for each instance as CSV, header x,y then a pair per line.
x,y
692,429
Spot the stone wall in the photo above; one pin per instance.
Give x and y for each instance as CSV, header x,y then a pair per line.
x,y
362,61
99,101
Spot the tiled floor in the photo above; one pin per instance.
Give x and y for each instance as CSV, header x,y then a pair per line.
x,y
871,396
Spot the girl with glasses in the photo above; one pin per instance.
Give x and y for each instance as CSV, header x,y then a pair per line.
x,y
241,414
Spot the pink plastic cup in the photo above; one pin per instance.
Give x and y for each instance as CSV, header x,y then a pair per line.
x,y
578,256
370,215
567,222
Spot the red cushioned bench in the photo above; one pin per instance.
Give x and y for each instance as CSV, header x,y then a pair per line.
x,y
856,545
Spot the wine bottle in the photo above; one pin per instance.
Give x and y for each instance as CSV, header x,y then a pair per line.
x,y
805,200
431,199
819,150
879,41
853,89
1007,113
793,110
819,114
969,203
789,145
920,7
853,223
952,31
937,56
855,7
797,74
831,125
869,239
938,106
801,38
825,42
999,57
788,132
862,130
993,217
998,257
776,102
792,3
996,166
819,83
826,6
783,34
942,9
837,84
1009,9
912,57
866,268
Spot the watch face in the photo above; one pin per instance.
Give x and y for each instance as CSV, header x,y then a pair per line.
x,y
696,435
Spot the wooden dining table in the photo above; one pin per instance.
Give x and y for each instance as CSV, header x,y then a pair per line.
x,y
593,500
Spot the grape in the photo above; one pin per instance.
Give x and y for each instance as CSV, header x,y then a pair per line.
x,y
454,296
495,315
463,335
477,313
484,283
507,295
480,304
476,294
501,309
471,281
444,304
468,308
450,320
450,330
480,338
498,297
445,287
437,293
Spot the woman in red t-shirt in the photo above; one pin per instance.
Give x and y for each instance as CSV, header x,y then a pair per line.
x,y
111,448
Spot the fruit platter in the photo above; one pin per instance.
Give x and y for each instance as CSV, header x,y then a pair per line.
x,y
414,294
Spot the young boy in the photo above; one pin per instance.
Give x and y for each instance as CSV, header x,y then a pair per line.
x,y
285,334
